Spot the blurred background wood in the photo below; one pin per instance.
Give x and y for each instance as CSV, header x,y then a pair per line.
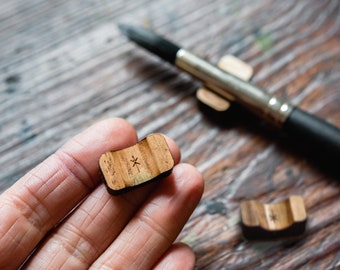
x,y
64,65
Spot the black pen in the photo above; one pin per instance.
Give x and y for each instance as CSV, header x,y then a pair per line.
x,y
302,126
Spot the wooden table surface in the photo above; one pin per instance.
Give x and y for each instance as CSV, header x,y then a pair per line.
x,y
64,65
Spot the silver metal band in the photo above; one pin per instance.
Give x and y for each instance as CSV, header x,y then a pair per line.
x,y
234,89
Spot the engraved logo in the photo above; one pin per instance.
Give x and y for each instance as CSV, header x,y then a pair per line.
x,y
273,217
135,162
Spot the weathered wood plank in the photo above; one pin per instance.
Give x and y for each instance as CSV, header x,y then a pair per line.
x,y
64,65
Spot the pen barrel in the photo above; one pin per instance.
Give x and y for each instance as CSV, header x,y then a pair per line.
x,y
314,132
320,136
234,89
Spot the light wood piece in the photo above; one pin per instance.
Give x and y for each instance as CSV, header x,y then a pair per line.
x,y
212,100
266,221
145,161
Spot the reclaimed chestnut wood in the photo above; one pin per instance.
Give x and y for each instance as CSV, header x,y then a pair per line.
x,y
277,220
64,65
148,160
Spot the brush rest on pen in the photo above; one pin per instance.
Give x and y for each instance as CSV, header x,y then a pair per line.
x,y
232,65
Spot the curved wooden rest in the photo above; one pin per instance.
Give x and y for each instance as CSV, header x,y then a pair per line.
x,y
148,160
283,219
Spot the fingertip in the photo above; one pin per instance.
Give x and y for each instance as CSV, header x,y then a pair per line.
x,y
175,151
178,256
118,126
191,178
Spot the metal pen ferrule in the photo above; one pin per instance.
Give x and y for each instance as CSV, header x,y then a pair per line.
x,y
234,89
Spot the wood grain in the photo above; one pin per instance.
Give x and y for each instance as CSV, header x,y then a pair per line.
x,y
277,220
64,66
128,168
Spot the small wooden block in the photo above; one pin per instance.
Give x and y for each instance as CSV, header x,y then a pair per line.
x,y
212,100
148,160
235,67
269,221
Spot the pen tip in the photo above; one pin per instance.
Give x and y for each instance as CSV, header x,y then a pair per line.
x,y
123,28
151,41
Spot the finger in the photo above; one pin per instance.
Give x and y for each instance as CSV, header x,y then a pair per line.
x,y
92,227
178,256
175,152
45,195
157,223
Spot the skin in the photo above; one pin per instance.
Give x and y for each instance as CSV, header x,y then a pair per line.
x,y
60,216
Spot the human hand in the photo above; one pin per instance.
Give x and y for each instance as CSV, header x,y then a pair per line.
x,y
62,216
